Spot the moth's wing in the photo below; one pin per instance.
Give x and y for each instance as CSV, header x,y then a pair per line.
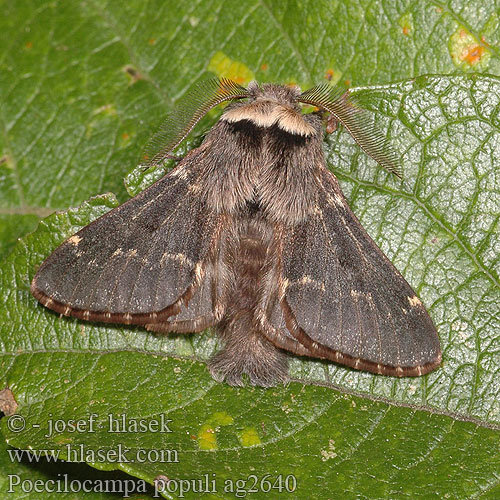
x,y
148,260
338,296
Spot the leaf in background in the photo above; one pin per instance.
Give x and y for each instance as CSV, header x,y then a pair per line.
x,y
417,224
333,444
12,227
83,86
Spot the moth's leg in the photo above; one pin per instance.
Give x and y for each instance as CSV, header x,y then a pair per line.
x,y
174,157
329,121
331,124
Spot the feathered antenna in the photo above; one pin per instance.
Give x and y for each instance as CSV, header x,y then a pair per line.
x,y
190,109
344,108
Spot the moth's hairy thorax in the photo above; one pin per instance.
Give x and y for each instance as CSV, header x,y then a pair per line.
x,y
264,153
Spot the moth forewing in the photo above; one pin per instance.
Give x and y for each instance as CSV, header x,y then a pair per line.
x,y
133,265
250,233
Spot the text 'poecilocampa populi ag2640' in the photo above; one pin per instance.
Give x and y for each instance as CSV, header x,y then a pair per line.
x,y
250,234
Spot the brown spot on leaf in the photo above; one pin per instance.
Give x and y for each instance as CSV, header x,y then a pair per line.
x,y
472,55
162,477
133,73
264,67
8,404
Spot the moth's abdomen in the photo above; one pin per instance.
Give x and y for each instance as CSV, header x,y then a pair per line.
x,y
246,349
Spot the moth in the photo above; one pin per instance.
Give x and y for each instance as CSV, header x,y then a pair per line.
x,y
250,234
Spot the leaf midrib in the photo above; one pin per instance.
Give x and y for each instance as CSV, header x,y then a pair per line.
x,y
363,395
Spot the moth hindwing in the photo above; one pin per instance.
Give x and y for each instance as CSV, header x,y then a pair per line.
x,y
249,233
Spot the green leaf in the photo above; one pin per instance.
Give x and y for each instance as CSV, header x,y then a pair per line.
x,y
83,86
322,440
12,227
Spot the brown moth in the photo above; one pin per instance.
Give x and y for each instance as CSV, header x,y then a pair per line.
x,y
250,234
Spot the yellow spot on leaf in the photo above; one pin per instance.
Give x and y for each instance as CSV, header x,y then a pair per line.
x,y
7,162
467,52
291,83
206,438
224,67
63,439
107,109
152,41
249,437
29,45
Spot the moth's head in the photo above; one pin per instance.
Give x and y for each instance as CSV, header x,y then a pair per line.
x,y
271,105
